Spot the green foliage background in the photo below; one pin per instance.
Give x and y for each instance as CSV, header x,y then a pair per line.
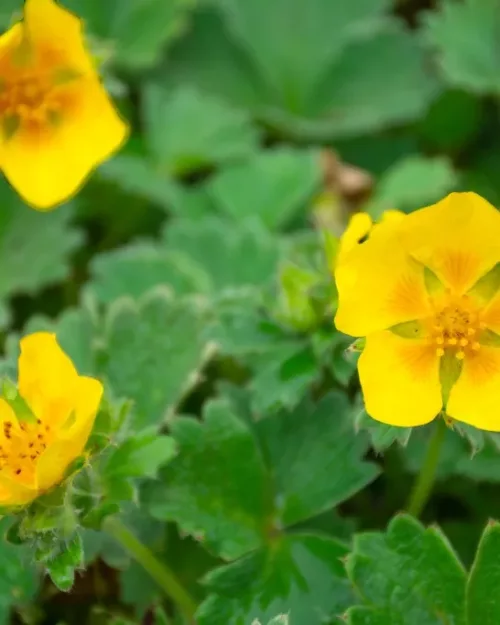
x,y
190,274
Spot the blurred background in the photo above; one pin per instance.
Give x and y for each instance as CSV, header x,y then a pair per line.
x,y
258,127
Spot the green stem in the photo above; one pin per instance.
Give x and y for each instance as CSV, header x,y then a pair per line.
x,y
162,575
425,481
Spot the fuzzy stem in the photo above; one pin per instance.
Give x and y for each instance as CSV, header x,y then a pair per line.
x,y
425,481
162,575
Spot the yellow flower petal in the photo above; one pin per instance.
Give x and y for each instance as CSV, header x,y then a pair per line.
x,y
55,460
14,492
47,378
51,141
457,238
47,21
11,38
400,380
490,315
50,167
475,398
359,226
379,284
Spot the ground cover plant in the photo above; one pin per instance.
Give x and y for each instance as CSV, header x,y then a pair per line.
x,y
249,307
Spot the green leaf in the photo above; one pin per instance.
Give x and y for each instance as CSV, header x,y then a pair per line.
x,y
234,258
452,121
414,182
140,456
36,247
464,35
301,575
275,185
465,452
282,375
315,456
138,175
294,45
209,257
321,94
295,307
409,575
154,353
62,568
10,11
187,130
18,577
482,598
133,32
382,436
135,269
282,619
230,515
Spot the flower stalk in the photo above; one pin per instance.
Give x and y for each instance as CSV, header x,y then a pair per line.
x,y
426,478
162,575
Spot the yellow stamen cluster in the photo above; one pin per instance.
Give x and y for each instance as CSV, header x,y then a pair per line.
x,y
456,327
21,444
29,97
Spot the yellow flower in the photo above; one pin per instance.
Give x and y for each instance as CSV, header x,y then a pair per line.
x,y
35,453
56,120
424,291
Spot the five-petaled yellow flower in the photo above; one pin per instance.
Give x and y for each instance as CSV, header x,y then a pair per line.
x,y
35,453
424,289
57,122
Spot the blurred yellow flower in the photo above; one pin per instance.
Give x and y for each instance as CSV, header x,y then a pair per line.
x,y
56,120
424,291
35,452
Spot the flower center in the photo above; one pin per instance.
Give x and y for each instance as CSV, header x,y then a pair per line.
x,y
21,446
456,328
29,98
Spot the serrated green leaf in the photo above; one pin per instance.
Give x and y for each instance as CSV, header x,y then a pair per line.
x,y
413,182
294,45
217,132
274,185
282,375
240,328
482,598
464,35
18,578
140,456
154,352
315,456
137,175
210,257
62,568
36,247
135,269
409,575
324,92
382,436
242,258
231,516
132,33
301,575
